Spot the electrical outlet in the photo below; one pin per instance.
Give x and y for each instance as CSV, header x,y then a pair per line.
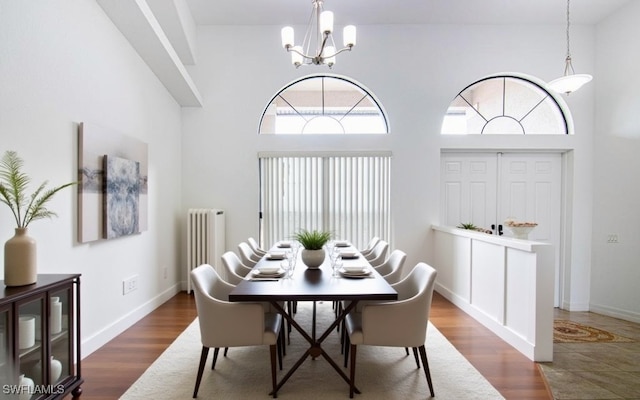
x,y
130,284
612,238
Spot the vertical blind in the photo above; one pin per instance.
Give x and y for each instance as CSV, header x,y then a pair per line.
x,y
346,195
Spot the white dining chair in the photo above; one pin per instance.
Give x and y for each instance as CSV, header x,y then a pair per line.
x,y
372,243
401,323
378,254
256,247
235,270
226,324
391,269
236,273
248,257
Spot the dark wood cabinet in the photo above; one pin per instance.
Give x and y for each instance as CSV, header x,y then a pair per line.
x,y
40,338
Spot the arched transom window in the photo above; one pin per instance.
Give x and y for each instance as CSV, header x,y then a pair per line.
x,y
504,105
323,104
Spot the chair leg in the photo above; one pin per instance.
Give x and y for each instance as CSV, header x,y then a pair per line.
x,y
226,349
274,383
283,342
425,363
406,350
290,310
215,357
203,360
347,343
352,375
415,355
280,348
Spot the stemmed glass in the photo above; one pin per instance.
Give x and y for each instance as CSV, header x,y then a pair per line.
x,y
286,266
292,257
334,255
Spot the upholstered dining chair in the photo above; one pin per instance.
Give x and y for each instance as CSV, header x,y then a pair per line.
x,y
248,257
378,254
401,323
391,269
234,268
256,247
227,324
372,243
235,273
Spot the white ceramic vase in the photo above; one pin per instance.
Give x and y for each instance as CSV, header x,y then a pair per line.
x,y
26,387
20,260
26,331
55,370
312,258
56,315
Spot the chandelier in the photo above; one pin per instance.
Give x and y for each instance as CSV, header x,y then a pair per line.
x,y
570,81
319,33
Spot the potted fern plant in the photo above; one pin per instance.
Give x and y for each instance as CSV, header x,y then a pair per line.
x,y
20,261
313,242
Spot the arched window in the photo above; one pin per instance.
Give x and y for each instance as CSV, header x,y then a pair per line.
x,y
505,104
323,104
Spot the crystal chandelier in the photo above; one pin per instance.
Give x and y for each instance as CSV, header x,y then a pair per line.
x,y
319,32
570,81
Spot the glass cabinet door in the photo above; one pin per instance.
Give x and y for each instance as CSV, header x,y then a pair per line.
x,y
29,334
61,361
6,369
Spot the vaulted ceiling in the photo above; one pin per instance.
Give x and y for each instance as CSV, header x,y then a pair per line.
x,y
163,31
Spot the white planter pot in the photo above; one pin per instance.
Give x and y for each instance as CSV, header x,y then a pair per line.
x,y
312,258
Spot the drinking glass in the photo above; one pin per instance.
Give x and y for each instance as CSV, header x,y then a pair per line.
x,y
337,264
286,266
291,261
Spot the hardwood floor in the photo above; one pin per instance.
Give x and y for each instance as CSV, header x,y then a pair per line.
x,y
109,371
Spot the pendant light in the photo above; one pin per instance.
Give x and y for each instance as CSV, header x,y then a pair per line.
x,y
570,81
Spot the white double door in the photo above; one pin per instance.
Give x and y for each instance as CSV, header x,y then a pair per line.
x,y
487,188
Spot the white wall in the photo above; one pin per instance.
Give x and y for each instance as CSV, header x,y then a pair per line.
x,y
615,272
415,71
62,63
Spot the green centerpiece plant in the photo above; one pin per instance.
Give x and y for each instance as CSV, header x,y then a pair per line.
x,y
20,267
312,241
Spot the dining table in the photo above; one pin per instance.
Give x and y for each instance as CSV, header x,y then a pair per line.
x,y
313,284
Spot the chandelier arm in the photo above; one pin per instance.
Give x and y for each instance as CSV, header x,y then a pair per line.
x,y
291,48
348,48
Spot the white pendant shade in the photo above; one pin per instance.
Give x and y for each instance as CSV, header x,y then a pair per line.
x,y
287,36
326,22
569,83
349,36
329,55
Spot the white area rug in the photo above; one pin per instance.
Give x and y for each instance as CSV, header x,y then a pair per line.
x,y
381,373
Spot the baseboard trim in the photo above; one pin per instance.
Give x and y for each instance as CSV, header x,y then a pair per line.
x,y
102,337
626,315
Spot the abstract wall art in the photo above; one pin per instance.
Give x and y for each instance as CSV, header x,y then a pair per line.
x,y
96,220
121,197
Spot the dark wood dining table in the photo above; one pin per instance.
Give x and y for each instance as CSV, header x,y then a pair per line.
x,y
307,284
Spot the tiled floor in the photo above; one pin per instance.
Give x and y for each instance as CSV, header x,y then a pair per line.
x,y
595,370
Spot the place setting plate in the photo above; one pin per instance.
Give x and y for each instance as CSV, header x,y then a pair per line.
x,y
276,255
355,271
348,255
266,274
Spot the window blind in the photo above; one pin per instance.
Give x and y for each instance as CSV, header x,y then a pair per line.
x,y
348,195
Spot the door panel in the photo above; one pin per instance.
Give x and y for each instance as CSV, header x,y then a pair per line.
x,y
468,189
487,188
